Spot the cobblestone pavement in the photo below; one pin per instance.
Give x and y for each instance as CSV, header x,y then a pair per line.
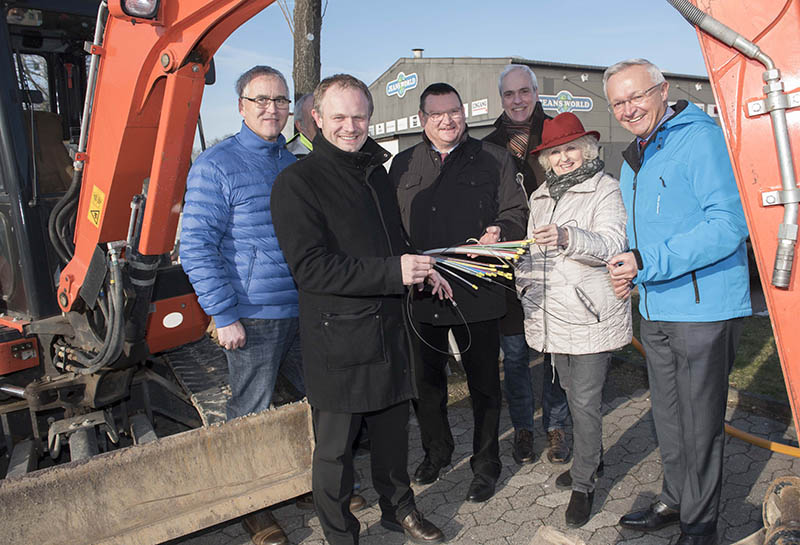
x,y
527,497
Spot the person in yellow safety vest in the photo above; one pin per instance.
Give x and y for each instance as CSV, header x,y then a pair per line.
x,y
300,145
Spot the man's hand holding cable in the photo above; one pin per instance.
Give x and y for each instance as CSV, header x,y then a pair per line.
x,y
551,235
415,268
441,287
623,269
490,236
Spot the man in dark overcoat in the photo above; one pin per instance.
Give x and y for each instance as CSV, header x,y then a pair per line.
x,y
338,224
452,188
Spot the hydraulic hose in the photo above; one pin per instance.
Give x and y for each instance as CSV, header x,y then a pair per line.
x,y
777,104
57,219
113,342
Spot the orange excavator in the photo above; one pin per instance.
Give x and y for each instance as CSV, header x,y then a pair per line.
x,y
103,353
100,333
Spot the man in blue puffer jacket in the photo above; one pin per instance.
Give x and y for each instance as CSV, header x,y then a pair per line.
x,y
229,250
687,232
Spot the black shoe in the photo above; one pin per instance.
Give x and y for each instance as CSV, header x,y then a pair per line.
x,y
306,501
427,472
480,489
656,516
687,539
522,450
579,509
558,451
416,528
564,481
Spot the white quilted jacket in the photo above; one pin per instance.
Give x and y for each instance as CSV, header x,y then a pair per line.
x,y
569,304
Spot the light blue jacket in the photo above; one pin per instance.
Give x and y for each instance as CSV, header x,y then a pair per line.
x,y
686,222
228,245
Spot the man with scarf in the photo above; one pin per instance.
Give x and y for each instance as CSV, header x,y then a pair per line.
x,y
519,130
452,188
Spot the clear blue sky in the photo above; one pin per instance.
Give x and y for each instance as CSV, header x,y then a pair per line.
x,y
366,38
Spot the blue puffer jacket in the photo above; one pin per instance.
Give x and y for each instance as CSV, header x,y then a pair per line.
x,y
686,221
228,246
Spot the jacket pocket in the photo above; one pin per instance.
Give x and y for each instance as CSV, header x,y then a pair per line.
x,y
407,189
250,268
354,338
696,288
478,195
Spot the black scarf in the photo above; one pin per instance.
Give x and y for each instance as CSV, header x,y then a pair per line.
x,y
558,185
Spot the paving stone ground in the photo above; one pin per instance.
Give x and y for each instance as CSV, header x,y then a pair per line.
x,y
527,497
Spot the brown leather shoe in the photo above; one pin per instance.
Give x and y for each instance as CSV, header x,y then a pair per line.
x,y
416,528
558,452
306,501
264,529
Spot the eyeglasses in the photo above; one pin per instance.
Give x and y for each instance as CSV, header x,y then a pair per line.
x,y
456,113
636,100
262,102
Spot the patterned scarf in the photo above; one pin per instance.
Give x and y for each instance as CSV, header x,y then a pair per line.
x,y
558,185
518,135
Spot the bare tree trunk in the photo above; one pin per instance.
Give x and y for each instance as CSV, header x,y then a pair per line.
x,y
307,27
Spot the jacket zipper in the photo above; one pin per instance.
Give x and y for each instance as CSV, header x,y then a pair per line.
x,y
636,239
696,288
544,285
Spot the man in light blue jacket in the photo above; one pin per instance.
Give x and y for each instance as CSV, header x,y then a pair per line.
x,y
687,232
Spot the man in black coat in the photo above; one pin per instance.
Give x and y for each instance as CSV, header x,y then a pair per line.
x,y
452,188
337,222
519,130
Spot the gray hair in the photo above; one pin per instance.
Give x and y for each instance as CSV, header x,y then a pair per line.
x,y
655,73
255,72
299,115
522,68
588,144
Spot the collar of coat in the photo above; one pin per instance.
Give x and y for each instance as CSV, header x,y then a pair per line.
x,y
252,141
371,153
587,186
631,153
467,145
537,124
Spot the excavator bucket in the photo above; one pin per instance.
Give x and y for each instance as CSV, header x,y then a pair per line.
x,y
160,490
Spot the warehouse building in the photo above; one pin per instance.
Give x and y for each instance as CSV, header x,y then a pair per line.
x,y
562,88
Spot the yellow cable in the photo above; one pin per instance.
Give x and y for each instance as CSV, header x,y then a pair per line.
x,y
743,435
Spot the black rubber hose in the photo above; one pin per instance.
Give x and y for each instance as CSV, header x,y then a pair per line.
x,y
52,228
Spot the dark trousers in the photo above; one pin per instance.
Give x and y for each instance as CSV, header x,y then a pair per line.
x,y
332,471
480,363
688,365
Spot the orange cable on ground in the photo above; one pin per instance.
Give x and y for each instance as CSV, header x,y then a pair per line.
x,y
743,435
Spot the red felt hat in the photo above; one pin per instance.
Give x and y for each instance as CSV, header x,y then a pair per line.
x,y
561,129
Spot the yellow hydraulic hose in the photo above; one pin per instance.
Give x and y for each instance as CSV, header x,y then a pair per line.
x,y
743,435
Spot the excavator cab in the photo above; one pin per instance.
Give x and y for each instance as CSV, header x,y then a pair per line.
x,y
43,82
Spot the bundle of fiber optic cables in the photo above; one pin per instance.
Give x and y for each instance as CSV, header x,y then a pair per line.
x,y
505,253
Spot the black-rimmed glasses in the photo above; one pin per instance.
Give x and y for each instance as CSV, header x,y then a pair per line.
x,y
263,102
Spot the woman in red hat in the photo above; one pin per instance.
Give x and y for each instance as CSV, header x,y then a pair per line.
x,y
577,220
